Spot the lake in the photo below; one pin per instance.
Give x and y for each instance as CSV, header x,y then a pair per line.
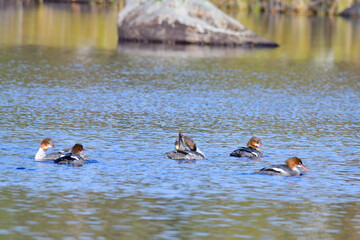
x,y
64,76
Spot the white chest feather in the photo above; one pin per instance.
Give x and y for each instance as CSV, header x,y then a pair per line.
x,y
296,171
40,155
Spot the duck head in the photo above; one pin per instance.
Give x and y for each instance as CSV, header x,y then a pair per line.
x,y
295,162
46,143
254,142
77,148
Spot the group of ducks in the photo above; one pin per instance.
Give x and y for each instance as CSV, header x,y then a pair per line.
x,y
290,168
74,155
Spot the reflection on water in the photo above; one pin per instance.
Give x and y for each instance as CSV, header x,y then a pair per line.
x,y
174,218
126,103
318,38
82,26
59,25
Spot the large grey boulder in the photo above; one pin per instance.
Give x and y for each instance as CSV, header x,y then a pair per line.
x,y
183,22
352,11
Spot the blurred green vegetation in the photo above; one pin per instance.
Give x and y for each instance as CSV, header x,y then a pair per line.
x,y
308,7
87,26
303,7
55,25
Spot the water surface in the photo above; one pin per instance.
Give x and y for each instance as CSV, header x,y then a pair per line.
x,y
126,103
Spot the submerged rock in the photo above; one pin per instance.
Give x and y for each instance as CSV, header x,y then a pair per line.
x,y
183,22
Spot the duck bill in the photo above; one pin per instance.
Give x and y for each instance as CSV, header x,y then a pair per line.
x,y
261,144
53,147
302,166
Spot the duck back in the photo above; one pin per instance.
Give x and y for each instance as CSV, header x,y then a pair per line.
x,y
247,152
184,155
70,158
279,170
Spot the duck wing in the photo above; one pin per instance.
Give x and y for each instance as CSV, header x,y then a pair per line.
x,y
278,170
55,155
188,141
245,152
70,158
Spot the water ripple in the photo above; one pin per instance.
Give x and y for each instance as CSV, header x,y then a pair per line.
x,y
127,111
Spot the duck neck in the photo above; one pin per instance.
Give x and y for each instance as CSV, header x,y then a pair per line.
x,y
292,166
41,154
295,169
251,145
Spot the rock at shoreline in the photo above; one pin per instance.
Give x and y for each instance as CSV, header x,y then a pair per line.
x,y
183,22
353,11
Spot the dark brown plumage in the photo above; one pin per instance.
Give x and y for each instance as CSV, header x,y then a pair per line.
x,y
188,141
77,148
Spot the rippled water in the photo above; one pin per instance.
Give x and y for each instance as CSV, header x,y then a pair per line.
x,y
126,106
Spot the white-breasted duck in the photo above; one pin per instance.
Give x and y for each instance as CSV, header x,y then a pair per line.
x,y
49,143
290,168
44,145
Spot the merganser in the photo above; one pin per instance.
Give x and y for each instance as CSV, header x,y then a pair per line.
x,y
45,144
181,153
72,158
288,169
252,149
